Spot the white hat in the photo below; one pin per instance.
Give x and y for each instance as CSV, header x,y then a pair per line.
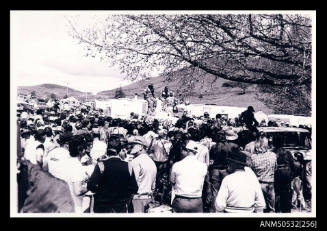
x,y
230,135
192,146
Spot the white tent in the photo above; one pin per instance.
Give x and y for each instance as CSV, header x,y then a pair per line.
x,y
123,107
291,119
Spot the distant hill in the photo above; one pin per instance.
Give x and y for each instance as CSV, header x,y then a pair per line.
x,y
211,94
45,90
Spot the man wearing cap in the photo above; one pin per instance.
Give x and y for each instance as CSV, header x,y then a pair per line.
x,y
145,173
187,177
240,191
247,117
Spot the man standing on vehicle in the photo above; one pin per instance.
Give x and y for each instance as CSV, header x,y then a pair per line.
x,y
247,117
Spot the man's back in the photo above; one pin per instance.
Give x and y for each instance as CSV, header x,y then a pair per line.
x,y
189,175
220,151
114,184
239,191
264,165
145,172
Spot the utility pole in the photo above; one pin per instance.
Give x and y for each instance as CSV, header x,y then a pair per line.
x,y
67,89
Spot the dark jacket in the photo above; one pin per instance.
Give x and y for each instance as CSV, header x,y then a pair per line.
x,y
248,118
286,169
219,152
115,184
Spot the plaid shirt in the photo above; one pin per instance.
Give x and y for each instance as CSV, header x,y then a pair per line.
x,y
264,166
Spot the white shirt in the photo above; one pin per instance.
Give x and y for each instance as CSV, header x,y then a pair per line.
x,y
98,150
72,171
145,172
54,160
240,192
188,175
48,145
31,153
202,154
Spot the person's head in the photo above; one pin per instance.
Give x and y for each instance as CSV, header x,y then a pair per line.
x,y
218,116
40,135
193,134
251,109
85,123
166,88
64,139
171,94
231,135
236,160
68,128
48,132
136,145
23,124
76,146
189,148
39,111
25,133
88,138
206,115
101,122
261,144
78,125
162,133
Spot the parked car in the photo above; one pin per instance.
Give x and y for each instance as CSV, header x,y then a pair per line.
x,y
293,139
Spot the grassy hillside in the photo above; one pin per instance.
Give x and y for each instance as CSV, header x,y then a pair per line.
x,y
211,94
45,90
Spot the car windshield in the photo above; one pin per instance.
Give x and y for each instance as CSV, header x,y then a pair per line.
x,y
292,139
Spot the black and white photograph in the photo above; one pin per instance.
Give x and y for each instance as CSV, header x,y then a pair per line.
x,y
162,113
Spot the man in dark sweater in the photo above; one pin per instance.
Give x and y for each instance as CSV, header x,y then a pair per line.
x,y
113,183
247,117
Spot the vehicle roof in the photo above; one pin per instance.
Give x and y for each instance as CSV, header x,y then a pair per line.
x,y
282,129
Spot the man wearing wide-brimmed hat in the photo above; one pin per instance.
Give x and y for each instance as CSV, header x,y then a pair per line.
x,y
145,172
240,191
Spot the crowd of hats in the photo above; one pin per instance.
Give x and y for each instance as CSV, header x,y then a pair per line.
x,y
90,121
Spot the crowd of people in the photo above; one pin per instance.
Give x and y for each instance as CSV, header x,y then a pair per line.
x,y
84,161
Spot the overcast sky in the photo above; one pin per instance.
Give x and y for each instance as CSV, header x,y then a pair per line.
x,y
42,51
